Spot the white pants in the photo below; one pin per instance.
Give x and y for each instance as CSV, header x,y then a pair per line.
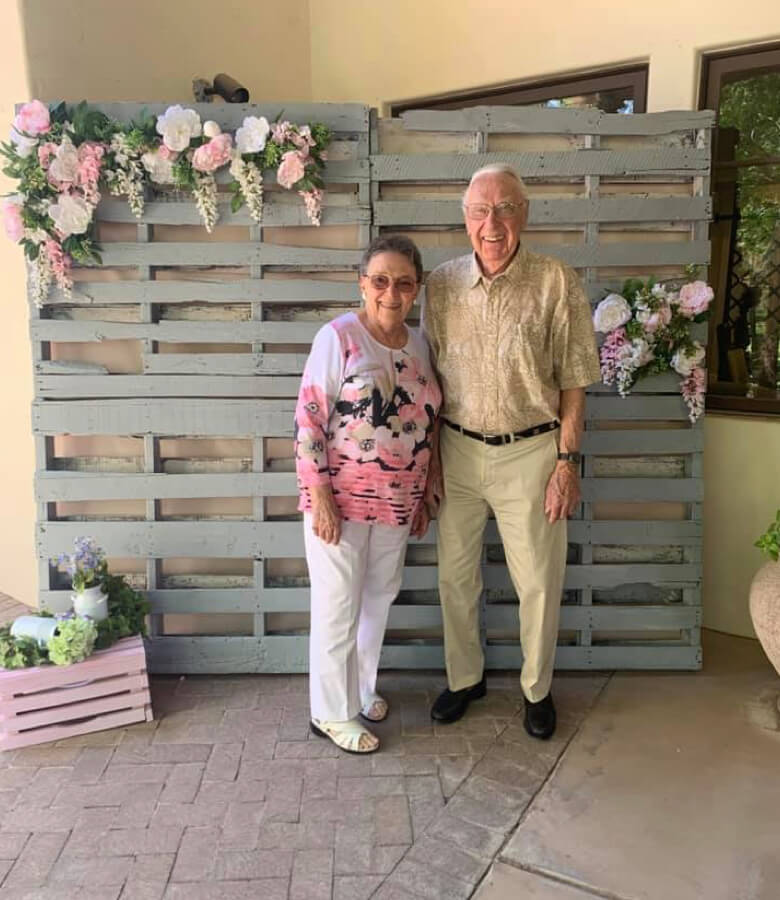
x,y
353,584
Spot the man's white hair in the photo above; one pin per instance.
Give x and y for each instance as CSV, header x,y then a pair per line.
x,y
500,169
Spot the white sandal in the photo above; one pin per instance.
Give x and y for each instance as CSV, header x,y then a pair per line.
x,y
345,735
375,709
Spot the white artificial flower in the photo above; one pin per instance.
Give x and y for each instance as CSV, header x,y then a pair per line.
x,y
23,145
252,135
64,165
611,313
684,362
178,126
211,129
641,352
160,168
71,215
658,290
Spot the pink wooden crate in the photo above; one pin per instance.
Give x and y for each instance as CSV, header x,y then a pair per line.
x,y
47,703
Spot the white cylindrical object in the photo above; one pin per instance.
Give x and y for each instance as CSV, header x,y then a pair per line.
x,y
39,628
91,602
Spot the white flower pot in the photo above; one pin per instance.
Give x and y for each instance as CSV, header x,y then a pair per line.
x,y
39,628
91,602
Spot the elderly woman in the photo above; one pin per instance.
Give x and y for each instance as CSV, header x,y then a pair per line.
x,y
363,428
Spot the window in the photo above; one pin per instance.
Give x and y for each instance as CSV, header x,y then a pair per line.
x,y
612,90
744,355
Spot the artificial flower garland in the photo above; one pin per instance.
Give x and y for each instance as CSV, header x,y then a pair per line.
x,y
63,156
647,330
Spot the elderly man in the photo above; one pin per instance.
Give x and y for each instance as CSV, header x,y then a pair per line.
x,y
514,346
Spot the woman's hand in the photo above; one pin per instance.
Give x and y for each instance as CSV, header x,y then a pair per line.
x,y
421,520
325,516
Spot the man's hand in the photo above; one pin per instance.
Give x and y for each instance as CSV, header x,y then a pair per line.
x,y
325,516
562,493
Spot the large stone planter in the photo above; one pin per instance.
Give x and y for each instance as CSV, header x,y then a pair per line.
x,y
765,610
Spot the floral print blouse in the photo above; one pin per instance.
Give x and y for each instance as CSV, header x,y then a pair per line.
x,y
364,421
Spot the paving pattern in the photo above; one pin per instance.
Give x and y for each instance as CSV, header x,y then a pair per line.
x,y
227,795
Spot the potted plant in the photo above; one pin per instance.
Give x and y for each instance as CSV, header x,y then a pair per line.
x,y
765,594
87,568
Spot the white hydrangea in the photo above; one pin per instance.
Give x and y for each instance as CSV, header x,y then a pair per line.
x,y
641,352
178,126
160,168
684,362
71,214
252,135
611,313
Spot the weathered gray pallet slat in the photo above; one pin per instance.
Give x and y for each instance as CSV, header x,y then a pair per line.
x,y
221,253
551,211
164,417
282,539
339,117
60,386
251,395
554,164
180,212
532,120
186,291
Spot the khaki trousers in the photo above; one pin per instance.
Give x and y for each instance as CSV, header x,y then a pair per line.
x,y
510,479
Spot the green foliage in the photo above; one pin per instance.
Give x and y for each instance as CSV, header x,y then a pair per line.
x,y
752,106
127,611
769,542
73,641
19,652
183,173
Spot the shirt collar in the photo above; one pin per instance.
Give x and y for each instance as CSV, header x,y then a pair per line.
x,y
512,273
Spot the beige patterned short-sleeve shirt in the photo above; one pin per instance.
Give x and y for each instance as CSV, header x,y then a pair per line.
x,y
505,347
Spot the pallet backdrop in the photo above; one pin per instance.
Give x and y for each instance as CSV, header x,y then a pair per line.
x,y
165,388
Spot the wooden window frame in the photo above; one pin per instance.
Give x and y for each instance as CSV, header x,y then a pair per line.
x,y
529,92
718,69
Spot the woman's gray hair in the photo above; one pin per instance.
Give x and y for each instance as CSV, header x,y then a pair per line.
x,y
393,243
500,169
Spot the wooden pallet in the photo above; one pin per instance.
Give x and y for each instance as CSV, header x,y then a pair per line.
x,y
166,384
48,703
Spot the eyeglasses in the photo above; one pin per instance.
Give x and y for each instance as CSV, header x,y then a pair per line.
x,y
383,282
505,210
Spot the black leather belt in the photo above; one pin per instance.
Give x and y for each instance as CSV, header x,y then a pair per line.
x,y
495,439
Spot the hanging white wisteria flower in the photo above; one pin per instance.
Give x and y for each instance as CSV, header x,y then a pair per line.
x,y
205,193
249,178
124,172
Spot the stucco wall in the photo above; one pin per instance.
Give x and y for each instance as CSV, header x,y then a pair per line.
x,y
371,51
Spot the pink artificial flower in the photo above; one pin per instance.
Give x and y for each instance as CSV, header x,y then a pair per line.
x,y
693,389
313,201
60,263
695,298
45,153
291,169
210,156
32,118
302,138
653,321
90,159
281,132
12,218
611,353
165,152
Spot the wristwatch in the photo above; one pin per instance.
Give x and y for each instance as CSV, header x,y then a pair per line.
x,y
572,457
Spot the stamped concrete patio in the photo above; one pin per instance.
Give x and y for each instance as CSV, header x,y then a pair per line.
x,y
226,795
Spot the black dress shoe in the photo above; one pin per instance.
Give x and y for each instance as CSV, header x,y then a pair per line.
x,y
540,718
450,705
